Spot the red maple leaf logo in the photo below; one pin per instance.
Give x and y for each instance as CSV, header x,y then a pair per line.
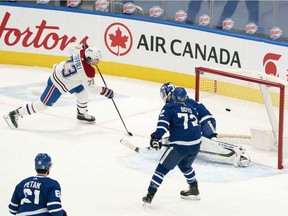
x,y
118,40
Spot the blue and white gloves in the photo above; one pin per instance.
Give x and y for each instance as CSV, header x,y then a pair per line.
x,y
107,92
155,143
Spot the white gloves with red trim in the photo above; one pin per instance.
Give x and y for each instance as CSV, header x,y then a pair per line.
x,y
107,92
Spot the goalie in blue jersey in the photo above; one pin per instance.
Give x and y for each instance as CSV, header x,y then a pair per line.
x,y
206,119
212,148
38,195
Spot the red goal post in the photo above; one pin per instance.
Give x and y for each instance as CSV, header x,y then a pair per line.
x,y
244,85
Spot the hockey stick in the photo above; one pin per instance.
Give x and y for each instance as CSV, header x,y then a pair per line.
x,y
134,147
137,148
227,146
218,154
128,132
241,163
148,148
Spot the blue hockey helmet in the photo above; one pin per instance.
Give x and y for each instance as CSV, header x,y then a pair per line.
x,y
166,90
179,95
42,161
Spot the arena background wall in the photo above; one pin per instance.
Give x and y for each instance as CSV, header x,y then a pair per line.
x,y
153,50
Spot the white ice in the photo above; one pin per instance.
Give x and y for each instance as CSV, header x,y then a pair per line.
x,y
100,176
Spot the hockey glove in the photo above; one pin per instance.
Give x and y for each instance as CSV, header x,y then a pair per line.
x,y
107,92
156,144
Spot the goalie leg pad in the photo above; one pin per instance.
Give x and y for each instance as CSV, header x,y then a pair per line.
x,y
225,152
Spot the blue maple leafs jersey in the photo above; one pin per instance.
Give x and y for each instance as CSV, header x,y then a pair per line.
x,y
37,196
206,119
181,121
204,114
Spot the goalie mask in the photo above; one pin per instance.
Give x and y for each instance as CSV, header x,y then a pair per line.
x,y
91,54
166,91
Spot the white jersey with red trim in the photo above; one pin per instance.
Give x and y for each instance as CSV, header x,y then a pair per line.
x,y
74,72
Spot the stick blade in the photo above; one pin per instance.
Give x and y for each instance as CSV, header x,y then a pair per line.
x,y
129,145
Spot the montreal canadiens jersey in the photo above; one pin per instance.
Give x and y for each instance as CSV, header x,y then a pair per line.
x,y
74,72
38,195
181,121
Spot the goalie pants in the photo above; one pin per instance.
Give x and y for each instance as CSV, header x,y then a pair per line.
x,y
183,157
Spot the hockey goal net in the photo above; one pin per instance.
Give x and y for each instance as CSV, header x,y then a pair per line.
x,y
248,106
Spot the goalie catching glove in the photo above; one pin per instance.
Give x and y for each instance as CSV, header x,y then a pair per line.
x,y
107,92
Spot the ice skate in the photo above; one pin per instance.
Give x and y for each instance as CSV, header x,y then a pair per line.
x,y
12,118
191,194
149,197
85,117
242,159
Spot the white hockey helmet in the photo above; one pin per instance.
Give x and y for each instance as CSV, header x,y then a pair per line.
x,y
92,53
166,91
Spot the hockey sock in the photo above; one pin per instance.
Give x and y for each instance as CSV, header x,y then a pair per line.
x,y
32,108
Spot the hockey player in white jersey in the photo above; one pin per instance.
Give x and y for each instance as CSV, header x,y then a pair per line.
x,y
211,147
74,76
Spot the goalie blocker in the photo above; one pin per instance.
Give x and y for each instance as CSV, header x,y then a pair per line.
x,y
213,150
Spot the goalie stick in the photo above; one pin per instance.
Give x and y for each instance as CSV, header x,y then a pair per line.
x,y
218,154
218,143
226,151
227,146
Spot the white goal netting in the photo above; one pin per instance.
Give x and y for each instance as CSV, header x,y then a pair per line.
x,y
249,106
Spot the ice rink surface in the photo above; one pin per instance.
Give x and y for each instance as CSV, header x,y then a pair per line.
x,y
100,176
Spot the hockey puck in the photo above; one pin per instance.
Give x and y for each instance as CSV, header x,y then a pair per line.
x,y
228,110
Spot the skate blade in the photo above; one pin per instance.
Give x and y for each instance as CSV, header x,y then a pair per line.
x,y
146,205
86,122
195,198
8,121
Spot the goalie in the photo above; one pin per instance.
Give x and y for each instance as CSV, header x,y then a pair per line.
x,y
211,148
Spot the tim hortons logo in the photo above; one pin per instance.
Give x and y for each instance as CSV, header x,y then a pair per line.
x,y
269,63
180,15
41,36
204,20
